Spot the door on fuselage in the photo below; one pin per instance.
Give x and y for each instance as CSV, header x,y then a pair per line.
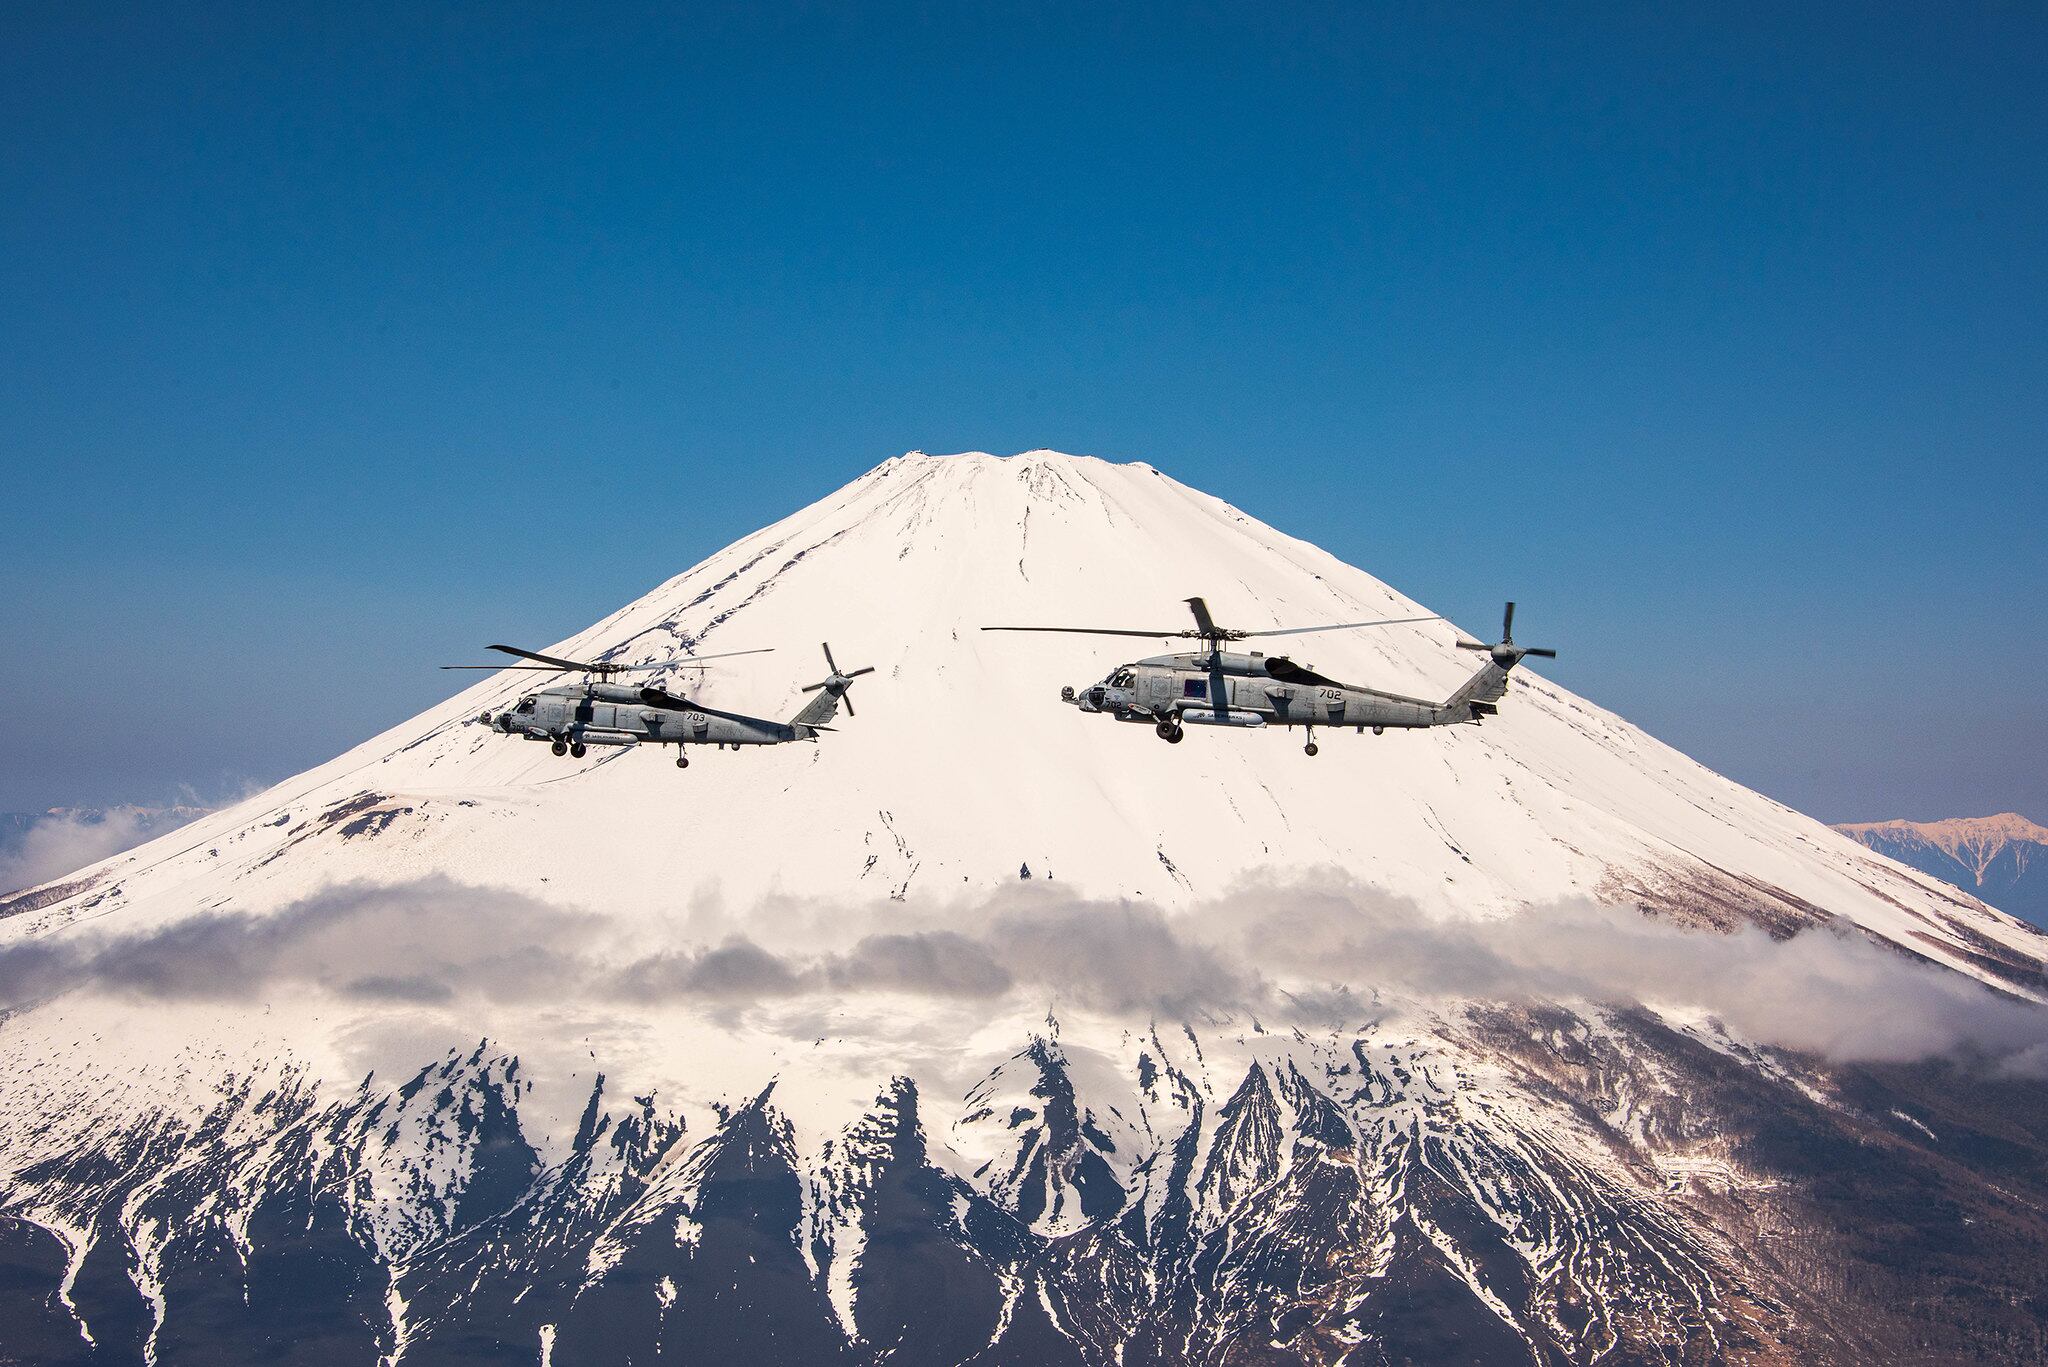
x,y
1157,690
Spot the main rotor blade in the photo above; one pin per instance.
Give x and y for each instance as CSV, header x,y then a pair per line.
x,y
558,664
682,661
1338,626
1101,631
541,669
1204,623
727,654
714,712
661,697
554,660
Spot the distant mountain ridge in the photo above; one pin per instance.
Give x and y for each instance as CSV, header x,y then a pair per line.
x,y
36,847
2000,859
154,820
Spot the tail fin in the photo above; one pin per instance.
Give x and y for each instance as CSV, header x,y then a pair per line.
x,y
1477,697
1485,688
824,707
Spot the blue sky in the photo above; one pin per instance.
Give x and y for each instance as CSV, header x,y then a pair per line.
x,y
1716,339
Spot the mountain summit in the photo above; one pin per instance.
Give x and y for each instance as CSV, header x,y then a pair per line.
x,y
1533,1040
961,766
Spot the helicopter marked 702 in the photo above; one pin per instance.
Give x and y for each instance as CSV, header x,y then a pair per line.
x,y
572,717
1218,688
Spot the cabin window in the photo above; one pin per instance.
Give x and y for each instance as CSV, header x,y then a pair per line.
x,y
1195,688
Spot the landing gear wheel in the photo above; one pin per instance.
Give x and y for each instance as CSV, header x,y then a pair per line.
x,y
1174,736
560,747
1165,730
682,760
577,751
1310,749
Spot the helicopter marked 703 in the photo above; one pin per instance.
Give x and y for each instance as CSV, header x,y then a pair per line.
x,y
1213,687
572,717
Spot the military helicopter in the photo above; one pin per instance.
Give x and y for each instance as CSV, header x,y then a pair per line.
x,y
1214,687
573,717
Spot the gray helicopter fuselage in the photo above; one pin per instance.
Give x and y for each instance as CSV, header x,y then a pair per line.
x,y
1217,687
1254,690
616,714
572,717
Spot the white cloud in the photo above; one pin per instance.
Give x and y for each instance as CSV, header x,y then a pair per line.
x,y
1296,948
65,842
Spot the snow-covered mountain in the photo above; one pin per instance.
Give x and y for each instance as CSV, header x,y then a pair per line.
x,y
1529,1041
2002,859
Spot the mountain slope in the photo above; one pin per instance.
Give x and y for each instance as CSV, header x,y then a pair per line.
x,y
1440,1046
961,767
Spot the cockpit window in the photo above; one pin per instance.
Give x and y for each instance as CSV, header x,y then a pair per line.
x,y
525,705
1120,679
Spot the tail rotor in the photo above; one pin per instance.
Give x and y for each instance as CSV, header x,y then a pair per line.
x,y
839,681
1505,652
